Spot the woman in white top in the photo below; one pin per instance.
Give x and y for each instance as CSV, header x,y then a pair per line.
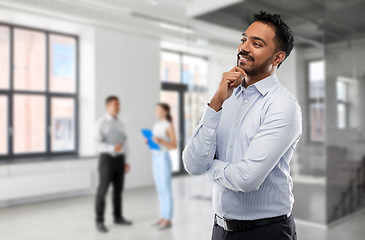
x,y
164,136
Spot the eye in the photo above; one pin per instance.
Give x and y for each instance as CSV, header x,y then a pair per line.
x,y
243,40
257,44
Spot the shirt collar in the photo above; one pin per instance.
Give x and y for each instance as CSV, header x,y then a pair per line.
x,y
110,117
263,86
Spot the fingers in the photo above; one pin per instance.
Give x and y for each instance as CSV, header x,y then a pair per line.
x,y
234,78
232,74
238,69
230,80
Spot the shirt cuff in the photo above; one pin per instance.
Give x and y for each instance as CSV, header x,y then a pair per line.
x,y
210,117
216,170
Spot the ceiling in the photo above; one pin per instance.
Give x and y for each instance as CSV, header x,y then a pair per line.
x,y
341,20
217,22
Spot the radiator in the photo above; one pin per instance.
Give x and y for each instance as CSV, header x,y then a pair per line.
x,y
18,187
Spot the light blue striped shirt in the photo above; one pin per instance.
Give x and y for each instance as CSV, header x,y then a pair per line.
x,y
253,138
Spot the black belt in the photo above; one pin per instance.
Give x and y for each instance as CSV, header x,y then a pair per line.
x,y
244,225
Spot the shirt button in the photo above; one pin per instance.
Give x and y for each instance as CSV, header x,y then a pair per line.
x,y
238,123
231,145
246,101
213,119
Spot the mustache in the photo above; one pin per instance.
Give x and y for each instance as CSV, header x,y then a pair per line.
x,y
245,54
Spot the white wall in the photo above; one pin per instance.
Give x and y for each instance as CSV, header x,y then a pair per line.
x,y
127,65
287,73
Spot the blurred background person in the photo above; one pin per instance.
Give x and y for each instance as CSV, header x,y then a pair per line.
x,y
112,147
164,135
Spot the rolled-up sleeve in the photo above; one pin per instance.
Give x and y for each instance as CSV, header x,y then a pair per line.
x,y
199,152
280,130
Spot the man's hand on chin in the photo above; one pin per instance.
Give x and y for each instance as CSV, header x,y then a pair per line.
x,y
230,80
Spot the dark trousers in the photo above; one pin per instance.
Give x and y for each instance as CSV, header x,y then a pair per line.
x,y
111,171
284,230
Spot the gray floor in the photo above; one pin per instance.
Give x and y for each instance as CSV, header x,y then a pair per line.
x,y
70,219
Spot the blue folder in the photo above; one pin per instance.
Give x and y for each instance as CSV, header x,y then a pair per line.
x,y
147,133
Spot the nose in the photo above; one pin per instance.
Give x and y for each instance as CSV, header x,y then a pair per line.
x,y
243,47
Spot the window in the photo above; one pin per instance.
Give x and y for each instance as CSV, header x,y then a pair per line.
x,y
342,104
316,96
3,125
29,121
38,93
62,64
63,124
348,102
4,57
195,71
184,88
29,60
170,67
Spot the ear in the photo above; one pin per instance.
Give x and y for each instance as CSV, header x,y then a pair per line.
x,y
278,58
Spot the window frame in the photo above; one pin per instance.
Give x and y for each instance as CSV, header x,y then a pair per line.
x,y
181,88
10,92
310,101
346,104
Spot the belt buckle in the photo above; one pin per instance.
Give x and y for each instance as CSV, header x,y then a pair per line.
x,y
222,222
225,226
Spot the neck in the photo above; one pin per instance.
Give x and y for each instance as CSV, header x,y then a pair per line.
x,y
249,80
113,115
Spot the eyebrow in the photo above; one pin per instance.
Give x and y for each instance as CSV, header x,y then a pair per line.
x,y
255,38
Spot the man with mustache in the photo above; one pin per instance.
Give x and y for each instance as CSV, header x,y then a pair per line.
x,y
246,138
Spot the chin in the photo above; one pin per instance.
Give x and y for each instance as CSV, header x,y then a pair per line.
x,y
244,67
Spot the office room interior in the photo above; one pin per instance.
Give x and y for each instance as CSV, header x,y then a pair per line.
x,y
60,60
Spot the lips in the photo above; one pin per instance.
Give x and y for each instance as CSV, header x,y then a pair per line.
x,y
243,58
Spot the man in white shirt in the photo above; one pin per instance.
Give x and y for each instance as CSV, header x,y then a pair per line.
x,y
246,138
111,140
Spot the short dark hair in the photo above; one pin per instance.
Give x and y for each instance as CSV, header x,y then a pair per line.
x,y
283,33
111,98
